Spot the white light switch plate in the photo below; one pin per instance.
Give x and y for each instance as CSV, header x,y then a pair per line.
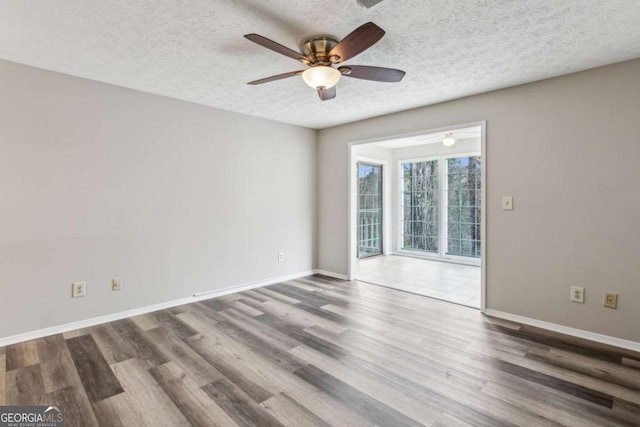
x,y
507,203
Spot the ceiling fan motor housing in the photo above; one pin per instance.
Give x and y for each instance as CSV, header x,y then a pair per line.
x,y
318,48
368,3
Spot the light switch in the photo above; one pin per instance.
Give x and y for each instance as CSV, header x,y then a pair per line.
x,y
507,203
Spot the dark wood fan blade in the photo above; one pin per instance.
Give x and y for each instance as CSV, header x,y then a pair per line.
x,y
361,39
276,47
327,94
274,78
378,74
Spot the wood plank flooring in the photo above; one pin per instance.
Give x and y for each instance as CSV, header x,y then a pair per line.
x,y
322,352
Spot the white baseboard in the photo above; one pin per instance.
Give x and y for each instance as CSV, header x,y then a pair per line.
x,y
27,336
580,333
332,274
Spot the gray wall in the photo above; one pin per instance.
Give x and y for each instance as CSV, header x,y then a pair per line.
x,y
98,182
567,149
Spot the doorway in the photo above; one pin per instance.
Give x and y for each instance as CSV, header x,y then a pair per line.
x,y
427,236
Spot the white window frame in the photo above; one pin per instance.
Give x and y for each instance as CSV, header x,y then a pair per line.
x,y
400,209
443,208
386,200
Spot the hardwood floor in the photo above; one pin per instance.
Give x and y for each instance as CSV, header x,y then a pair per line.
x,y
319,352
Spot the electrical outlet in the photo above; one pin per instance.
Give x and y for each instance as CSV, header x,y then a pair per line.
x,y
610,300
116,284
78,289
577,294
280,256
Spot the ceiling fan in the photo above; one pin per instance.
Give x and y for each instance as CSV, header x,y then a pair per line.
x,y
322,53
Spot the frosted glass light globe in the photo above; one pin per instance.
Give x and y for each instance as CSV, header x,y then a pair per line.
x,y
321,76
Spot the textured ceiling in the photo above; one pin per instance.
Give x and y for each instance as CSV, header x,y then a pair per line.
x,y
194,50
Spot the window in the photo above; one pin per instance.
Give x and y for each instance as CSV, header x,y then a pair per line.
x,y
369,209
440,208
420,206
463,206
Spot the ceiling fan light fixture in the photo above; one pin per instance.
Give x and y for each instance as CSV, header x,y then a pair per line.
x,y
322,53
448,140
321,76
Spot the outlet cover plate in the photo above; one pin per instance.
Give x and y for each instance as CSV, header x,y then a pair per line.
x,y
78,289
116,284
610,300
577,294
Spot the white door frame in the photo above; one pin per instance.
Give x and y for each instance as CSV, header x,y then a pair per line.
x,y
352,238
